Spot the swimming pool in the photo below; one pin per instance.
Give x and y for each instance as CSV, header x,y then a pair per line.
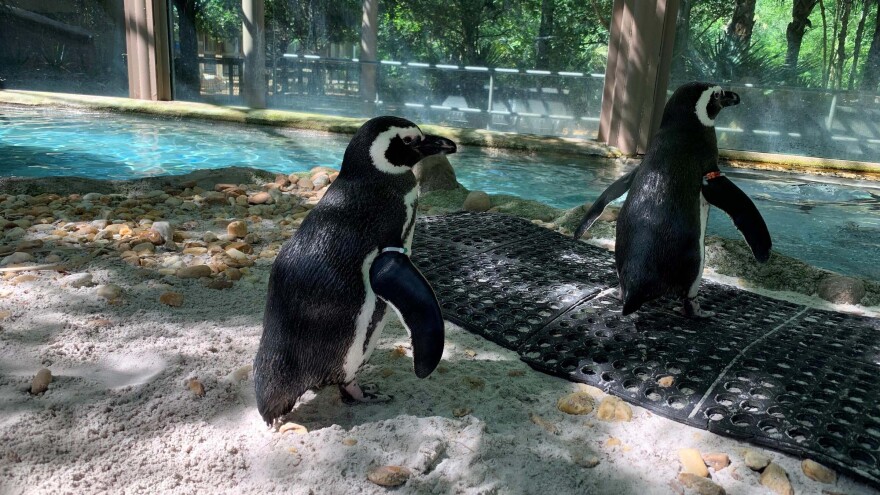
x,y
833,225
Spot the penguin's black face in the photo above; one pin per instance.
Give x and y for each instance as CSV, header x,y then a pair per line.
x,y
701,99
396,144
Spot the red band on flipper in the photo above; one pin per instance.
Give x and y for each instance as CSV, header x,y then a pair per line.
x,y
712,175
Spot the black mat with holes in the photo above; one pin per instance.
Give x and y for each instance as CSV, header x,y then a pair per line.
x,y
781,375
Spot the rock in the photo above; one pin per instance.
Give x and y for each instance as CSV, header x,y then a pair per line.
x,y
588,461
77,280
305,184
477,201
18,257
41,381
144,248
174,299
320,180
293,428
29,244
196,387
614,409
716,460
841,290
818,472
474,382
233,274
236,254
195,271
755,460
166,232
548,426
576,403
692,462
699,484
665,381
239,375
210,237
333,176
237,228
460,412
349,442
110,292
259,198
389,475
435,173
15,233
609,215
776,479
281,180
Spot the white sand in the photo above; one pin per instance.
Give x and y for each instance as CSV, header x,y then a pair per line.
x,y
119,418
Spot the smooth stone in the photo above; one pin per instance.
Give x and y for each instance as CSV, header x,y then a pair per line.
x,y
15,233
576,403
18,257
389,475
305,183
613,409
818,472
110,292
237,228
195,271
477,201
78,280
236,254
41,381
692,462
259,198
755,460
841,290
776,479
699,484
174,299
716,460
320,180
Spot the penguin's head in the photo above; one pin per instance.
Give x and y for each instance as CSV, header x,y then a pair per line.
x,y
697,102
393,145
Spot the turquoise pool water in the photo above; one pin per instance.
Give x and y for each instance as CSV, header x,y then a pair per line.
x,y
834,225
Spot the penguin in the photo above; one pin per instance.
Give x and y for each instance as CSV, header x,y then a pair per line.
x,y
333,281
661,228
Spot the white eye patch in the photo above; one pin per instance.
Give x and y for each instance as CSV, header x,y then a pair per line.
x,y
703,102
380,146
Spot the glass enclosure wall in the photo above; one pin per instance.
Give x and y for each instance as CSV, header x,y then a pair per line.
x,y
533,66
68,46
807,72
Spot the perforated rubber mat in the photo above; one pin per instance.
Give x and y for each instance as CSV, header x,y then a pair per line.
x,y
796,379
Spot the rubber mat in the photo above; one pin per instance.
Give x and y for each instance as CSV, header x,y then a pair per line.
x,y
774,373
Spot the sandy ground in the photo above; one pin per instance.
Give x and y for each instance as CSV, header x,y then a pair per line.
x,y
120,418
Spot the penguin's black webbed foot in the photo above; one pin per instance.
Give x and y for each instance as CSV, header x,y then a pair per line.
x,y
353,393
691,309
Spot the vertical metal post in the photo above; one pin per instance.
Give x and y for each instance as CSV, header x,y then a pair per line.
x,y
637,73
369,50
253,43
491,88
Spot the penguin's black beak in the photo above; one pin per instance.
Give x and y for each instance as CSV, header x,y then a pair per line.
x,y
431,145
728,99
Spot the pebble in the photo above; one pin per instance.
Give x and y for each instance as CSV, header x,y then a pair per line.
x,y
233,274
692,462
41,381
699,484
110,292
144,248
460,412
294,428
818,472
17,257
305,183
576,403
549,426
477,201
389,475
174,299
5,314
217,283
613,409
237,228
196,387
77,280
195,271
587,461
665,381
755,460
15,233
776,479
320,180
239,375
259,198
350,442
716,460
474,382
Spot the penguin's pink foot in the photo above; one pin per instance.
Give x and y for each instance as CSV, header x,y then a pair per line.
x,y
352,393
691,309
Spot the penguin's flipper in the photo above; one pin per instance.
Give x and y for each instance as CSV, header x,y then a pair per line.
x,y
722,193
399,283
614,191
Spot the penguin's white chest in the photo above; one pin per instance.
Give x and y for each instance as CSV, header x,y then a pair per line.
x,y
409,225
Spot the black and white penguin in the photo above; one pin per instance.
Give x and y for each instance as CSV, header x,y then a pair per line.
x,y
662,225
332,283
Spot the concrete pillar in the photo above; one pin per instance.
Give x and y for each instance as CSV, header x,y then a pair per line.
x,y
369,50
637,73
253,41
148,49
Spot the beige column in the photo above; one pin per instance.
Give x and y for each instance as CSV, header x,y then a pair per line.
x,y
148,48
253,43
369,45
636,75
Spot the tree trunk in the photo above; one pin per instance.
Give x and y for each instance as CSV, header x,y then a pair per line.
x,y
682,38
545,33
740,27
871,73
794,34
860,34
186,68
824,43
846,6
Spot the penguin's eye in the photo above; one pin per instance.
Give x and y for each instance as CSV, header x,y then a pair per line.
x,y
407,140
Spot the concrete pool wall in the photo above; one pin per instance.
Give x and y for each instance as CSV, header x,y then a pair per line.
x,y
468,137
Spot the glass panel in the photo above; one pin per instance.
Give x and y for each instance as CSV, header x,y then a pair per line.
x,y
804,70
524,66
206,50
63,46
